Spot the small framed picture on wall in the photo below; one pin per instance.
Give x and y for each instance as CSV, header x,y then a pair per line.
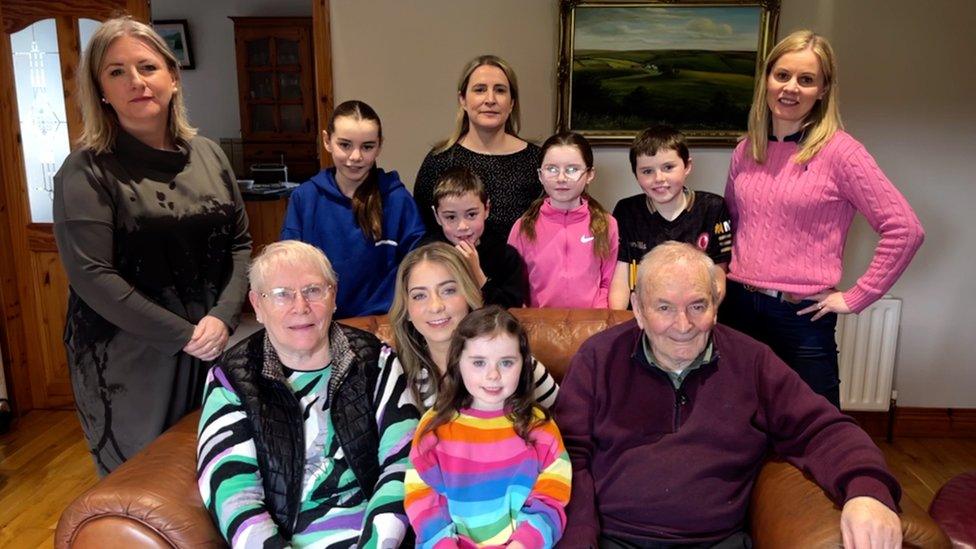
x,y
176,33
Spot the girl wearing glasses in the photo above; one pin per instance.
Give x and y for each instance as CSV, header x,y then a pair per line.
x,y
568,240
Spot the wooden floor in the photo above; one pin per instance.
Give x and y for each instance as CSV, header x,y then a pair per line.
x,y
44,464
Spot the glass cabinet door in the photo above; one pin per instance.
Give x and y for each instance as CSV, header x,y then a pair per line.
x,y
276,81
288,51
259,52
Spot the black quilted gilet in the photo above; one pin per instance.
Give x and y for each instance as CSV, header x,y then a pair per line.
x,y
277,426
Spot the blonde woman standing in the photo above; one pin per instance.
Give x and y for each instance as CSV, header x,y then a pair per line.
x,y
153,235
794,186
485,139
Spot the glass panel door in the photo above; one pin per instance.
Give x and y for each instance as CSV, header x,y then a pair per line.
x,y
40,105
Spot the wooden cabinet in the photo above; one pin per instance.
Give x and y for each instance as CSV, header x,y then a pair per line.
x,y
266,215
276,91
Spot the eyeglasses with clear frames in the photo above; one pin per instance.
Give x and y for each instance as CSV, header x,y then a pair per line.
x,y
285,297
573,173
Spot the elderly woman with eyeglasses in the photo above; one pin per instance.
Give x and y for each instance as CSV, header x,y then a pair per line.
x,y
306,424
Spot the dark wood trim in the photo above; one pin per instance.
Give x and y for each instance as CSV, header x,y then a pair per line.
x,y
322,42
936,422
40,237
17,310
20,316
69,49
920,422
22,13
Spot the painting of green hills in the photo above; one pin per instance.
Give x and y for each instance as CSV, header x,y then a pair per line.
x,y
690,67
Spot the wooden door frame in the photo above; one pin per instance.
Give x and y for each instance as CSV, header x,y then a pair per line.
x,y
20,322
322,46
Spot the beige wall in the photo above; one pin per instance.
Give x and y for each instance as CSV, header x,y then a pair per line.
x,y
211,88
404,59
907,85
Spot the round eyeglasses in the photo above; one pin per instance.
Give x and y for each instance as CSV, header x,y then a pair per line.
x,y
285,297
573,173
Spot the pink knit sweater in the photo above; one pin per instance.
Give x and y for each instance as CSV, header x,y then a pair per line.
x,y
791,220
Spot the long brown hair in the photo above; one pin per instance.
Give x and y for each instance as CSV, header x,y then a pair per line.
x,y
520,406
412,349
824,119
367,203
462,124
599,217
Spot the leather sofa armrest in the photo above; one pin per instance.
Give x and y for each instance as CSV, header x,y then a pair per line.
x,y
150,501
790,510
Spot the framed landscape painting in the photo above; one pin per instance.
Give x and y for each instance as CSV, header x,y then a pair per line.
x,y
691,64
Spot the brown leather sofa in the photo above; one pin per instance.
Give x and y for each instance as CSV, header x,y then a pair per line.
x,y
152,500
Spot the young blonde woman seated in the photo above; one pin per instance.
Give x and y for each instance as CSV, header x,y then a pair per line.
x,y
434,291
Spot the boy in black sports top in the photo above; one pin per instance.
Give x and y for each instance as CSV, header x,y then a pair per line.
x,y
666,210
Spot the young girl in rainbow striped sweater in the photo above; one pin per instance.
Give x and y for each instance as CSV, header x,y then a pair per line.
x,y
487,466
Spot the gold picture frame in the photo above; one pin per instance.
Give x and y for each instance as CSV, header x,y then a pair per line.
x,y
625,65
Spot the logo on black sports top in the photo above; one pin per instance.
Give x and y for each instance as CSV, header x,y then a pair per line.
x,y
702,241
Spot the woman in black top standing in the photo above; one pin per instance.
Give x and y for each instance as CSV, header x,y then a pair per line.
x,y
152,233
486,140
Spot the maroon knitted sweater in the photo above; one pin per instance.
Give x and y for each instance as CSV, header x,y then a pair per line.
x,y
654,463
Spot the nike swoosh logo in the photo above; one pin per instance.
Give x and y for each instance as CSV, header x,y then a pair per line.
x,y
585,239
385,243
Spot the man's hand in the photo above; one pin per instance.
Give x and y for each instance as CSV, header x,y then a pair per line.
x,y
866,523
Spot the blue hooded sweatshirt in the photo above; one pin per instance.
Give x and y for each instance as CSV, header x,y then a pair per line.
x,y
319,214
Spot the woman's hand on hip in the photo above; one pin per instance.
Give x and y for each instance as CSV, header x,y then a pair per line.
x,y
829,301
209,339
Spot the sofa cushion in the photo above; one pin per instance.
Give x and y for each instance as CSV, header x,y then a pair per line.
x,y
954,509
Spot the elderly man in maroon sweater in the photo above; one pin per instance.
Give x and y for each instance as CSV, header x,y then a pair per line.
x,y
667,420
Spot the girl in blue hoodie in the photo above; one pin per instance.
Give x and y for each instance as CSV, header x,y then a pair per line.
x,y
362,217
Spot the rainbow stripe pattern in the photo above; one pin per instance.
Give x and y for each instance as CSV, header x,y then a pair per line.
x,y
473,482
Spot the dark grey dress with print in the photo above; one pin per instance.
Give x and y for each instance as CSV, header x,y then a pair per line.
x,y
152,241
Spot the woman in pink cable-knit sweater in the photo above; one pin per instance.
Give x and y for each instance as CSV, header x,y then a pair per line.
x,y
794,186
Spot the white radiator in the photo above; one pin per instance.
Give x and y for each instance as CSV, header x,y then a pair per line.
x,y
867,344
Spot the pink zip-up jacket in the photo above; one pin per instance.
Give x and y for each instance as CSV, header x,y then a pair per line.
x,y
791,220
561,264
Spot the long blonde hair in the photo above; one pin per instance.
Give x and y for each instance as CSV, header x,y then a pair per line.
x,y
101,123
411,346
462,124
823,120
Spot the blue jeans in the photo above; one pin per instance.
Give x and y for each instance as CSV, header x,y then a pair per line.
x,y
809,348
